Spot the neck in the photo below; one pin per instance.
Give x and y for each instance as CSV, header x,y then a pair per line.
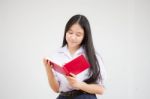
x,y
73,50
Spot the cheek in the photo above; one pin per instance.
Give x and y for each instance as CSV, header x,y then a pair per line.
x,y
82,38
67,37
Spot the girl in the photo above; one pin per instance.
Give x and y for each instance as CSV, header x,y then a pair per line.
x,y
77,40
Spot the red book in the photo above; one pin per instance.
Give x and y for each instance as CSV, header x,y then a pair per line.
x,y
75,66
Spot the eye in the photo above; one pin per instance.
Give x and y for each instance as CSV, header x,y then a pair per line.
x,y
78,35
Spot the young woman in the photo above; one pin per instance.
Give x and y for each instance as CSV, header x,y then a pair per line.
x,y
77,40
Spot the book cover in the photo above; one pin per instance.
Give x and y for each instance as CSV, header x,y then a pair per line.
x,y
75,66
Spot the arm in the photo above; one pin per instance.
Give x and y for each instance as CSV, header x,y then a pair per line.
x,y
51,78
90,88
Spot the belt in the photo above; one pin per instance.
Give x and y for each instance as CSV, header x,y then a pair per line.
x,y
73,93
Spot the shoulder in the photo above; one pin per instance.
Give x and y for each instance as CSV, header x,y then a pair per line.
x,y
55,53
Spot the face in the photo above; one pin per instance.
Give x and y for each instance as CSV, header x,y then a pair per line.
x,y
74,36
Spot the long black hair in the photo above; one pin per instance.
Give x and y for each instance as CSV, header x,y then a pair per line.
x,y
87,43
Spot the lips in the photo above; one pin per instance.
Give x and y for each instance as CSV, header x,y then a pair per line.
x,y
73,42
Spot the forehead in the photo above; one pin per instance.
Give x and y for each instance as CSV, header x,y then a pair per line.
x,y
77,28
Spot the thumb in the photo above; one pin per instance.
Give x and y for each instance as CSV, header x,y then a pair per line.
x,y
73,75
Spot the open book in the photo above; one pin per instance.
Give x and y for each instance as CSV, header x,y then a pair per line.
x,y
75,66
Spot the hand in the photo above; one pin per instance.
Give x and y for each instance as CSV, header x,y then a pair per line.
x,y
47,63
73,81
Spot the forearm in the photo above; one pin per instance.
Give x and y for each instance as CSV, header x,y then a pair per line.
x,y
91,88
52,81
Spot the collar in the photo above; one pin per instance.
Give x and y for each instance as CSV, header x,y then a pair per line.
x,y
66,51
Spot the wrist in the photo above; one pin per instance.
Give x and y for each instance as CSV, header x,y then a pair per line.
x,y
48,69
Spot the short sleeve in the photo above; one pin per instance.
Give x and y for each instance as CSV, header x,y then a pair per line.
x,y
102,70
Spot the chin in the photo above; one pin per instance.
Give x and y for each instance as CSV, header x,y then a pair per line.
x,y
73,46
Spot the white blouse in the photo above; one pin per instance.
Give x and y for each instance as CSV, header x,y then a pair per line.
x,y
62,56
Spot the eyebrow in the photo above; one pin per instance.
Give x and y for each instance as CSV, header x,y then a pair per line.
x,y
79,32
76,32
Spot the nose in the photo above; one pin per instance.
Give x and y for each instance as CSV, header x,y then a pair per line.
x,y
73,37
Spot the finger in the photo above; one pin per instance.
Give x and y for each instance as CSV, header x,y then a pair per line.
x,y
72,75
44,61
51,65
71,78
48,62
66,76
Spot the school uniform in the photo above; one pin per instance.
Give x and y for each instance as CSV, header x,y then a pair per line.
x,y
62,56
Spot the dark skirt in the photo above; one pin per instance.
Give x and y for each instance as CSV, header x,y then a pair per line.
x,y
79,96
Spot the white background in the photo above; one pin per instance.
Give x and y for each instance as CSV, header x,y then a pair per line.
x,y
31,29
